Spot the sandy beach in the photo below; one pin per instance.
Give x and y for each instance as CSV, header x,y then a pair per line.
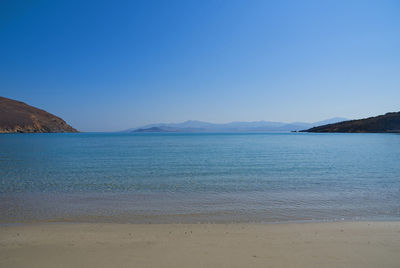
x,y
335,244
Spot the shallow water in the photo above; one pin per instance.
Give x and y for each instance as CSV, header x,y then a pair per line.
x,y
171,177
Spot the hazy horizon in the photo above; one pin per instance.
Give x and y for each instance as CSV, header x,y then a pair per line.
x,y
109,66
229,122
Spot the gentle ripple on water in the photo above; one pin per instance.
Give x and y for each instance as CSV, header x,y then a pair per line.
x,y
199,177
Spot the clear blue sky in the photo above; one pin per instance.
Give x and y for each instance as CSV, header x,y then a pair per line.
x,y
112,65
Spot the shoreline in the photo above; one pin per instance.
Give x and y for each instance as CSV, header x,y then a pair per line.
x,y
188,207
184,219
95,220
315,244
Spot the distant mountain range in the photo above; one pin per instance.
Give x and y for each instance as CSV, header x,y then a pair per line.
x,y
19,117
257,126
387,123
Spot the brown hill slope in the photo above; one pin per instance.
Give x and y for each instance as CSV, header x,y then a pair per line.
x,y
387,123
18,117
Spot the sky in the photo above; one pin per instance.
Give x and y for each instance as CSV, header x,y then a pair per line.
x,y
113,65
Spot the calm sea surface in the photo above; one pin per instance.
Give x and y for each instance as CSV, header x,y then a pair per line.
x,y
170,177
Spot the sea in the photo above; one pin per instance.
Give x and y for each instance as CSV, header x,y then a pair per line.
x,y
199,177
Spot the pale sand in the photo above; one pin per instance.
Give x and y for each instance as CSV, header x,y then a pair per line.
x,y
340,244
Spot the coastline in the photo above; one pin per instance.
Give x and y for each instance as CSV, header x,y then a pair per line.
x,y
188,208
317,244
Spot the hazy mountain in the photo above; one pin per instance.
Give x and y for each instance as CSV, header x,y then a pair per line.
x,y
389,122
257,126
18,117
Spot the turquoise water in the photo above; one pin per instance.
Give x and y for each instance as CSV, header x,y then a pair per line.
x,y
171,177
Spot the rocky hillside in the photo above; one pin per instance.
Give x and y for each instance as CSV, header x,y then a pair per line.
x,y
388,123
18,117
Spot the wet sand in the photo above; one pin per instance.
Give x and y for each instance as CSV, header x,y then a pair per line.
x,y
335,244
